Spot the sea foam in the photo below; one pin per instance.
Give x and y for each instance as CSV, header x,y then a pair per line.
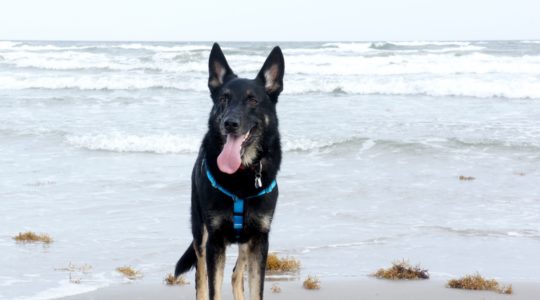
x,y
469,69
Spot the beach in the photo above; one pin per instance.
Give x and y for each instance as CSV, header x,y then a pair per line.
x,y
343,289
427,151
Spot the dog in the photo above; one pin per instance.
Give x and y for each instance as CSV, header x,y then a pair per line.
x,y
233,188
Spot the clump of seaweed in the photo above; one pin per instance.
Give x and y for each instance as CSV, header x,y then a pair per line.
x,y
129,272
275,289
281,265
171,280
32,237
466,178
477,282
402,270
312,283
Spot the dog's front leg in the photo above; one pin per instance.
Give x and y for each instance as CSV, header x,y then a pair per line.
x,y
258,252
201,277
238,273
215,263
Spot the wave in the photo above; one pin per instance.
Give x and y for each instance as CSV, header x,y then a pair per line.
x,y
167,143
522,87
160,143
433,47
471,232
439,69
516,88
18,46
8,44
66,288
438,61
101,83
355,47
411,46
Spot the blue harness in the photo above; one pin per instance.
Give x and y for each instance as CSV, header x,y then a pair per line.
x,y
238,210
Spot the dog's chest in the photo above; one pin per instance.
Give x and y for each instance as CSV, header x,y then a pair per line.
x,y
253,221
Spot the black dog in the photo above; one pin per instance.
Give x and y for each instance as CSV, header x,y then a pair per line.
x,y
233,190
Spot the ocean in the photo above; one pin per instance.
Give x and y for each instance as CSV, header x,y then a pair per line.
x,y
97,142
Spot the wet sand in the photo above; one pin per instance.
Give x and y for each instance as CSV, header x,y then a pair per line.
x,y
331,289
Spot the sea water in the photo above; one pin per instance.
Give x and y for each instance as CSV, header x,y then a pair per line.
x,y
97,142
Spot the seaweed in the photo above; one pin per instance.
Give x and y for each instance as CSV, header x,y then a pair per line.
x,y
129,272
312,283
171,280
281,265
32,237
477,282
401,270
275,289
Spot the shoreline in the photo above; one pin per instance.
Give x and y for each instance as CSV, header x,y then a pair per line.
x,y
333,288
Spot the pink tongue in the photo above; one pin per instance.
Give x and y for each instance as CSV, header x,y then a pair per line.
x,y
229,159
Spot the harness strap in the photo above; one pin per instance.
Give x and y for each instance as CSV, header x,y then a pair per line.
x,y
238,208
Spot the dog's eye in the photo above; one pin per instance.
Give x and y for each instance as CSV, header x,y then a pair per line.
x,y
252,100
224,98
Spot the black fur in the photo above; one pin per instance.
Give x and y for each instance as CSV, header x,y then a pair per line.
x,y
186,262
240,106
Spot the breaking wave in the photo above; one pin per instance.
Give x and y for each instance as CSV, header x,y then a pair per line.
x,y
436,68
160,143
167,143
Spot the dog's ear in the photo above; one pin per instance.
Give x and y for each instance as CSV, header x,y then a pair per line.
x,y
271,74
218,69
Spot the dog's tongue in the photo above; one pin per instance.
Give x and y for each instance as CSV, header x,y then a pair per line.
x,y
229,159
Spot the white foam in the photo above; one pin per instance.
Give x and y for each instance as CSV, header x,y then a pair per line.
x,y
354,47
456,49
161,48
66,288
518,88
169,143
437,68
302,143
8,44
84,82
427,43
119,142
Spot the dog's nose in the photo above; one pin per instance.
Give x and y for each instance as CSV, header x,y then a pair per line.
x,y
231,125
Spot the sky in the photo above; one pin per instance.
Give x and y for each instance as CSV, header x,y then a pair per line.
x,y
276,20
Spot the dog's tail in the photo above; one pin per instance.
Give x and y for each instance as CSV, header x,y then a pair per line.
x,y
186,262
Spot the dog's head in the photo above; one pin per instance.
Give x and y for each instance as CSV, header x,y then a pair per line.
x,y
244,110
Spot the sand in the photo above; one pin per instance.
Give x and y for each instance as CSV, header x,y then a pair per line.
x,y
330,289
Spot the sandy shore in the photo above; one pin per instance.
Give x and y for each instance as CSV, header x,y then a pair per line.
x,y
334,289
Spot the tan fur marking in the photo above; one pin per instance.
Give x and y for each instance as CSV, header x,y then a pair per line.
x,y
270,76
238,275
265,222
216,221
218,281
249,154
254,276
219,75
201,276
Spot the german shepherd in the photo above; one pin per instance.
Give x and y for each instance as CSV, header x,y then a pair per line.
x,y
239,158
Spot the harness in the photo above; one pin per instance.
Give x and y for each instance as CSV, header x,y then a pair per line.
x,y
238,208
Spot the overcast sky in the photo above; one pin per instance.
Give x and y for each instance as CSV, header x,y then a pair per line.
x,y
274,20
